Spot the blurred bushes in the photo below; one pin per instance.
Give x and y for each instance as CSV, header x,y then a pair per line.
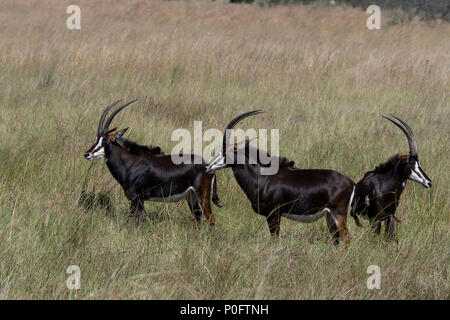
x,y
426,9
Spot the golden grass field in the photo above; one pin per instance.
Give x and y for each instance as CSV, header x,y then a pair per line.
x,y
324,81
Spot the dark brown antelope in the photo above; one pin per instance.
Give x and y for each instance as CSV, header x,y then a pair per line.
x,y
303,195
147,174
378,193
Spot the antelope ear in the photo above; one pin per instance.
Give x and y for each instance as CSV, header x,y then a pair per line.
x,y
111,131
121,133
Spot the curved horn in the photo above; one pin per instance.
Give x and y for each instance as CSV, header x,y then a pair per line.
x,y
412,139
231,125
111,117
407,131
105,112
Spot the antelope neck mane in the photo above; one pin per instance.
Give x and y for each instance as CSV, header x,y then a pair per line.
x,y
283,161
137,149
388,165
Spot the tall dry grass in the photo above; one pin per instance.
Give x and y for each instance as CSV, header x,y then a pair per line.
x,y
323,80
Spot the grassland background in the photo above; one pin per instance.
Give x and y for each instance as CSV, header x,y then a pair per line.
x,y
321,76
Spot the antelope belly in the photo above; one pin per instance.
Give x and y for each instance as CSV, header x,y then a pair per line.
x,y
175,197
306,218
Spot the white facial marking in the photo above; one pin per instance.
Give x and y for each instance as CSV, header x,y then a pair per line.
x,y
217,163
416,174
99,144
99,151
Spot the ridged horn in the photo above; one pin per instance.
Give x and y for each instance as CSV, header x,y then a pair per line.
x,y
111,117
105,112
231,125
407,131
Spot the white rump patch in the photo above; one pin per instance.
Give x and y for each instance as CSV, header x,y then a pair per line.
x,y
176,197
306,218
367,201
212,181
351,199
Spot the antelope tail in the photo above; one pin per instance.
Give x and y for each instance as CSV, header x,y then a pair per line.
x,y
215,197
353,212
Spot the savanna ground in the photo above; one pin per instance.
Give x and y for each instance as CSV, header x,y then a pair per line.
x,y
323,80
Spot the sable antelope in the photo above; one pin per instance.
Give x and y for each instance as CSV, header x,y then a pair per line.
x,y
303,195
378,193
148,174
